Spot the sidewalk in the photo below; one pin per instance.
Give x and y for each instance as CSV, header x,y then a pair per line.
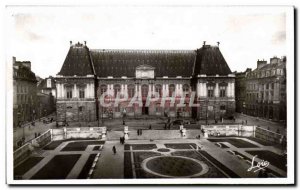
x,y
110,165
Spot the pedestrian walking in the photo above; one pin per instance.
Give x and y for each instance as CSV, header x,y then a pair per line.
x,y
138,132
150,127
123,140
114,150
120,140
141,131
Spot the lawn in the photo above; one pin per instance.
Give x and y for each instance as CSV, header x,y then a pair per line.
x,y
140,146
276,160
57,168
239,143
80,145
86,168
262,142
174,166
26,166
54,144
204,156
181,145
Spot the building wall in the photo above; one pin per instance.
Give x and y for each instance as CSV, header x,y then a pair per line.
x,y
266,91
24,100
75,108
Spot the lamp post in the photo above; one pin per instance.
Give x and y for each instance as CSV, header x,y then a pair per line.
x,y
20,116
206,111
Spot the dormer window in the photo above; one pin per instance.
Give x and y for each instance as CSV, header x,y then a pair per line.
x,y
144,72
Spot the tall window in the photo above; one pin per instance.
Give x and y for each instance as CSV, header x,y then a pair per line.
x,y
145,90
117,89
81,92
171,89
210,91
103,89
130,91
158,89
69,92
186,90
222,91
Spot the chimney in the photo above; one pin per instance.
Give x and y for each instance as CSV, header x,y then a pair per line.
x,y
70,43
204,43
85,43
218,44
274,60
261,63
14,60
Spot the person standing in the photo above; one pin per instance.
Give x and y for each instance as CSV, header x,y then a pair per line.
x,y
114,150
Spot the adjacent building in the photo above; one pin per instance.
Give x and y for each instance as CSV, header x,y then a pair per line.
x,y
46,96
24,92
90,77
47,86
266,90
240,90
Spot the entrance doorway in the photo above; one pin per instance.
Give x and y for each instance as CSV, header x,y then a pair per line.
x,y
145,109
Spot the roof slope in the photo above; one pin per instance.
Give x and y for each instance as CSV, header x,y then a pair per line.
x,y
77,62
118,63
210,61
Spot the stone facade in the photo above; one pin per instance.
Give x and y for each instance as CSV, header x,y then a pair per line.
x,y
266,90
240,90
92,84
24,93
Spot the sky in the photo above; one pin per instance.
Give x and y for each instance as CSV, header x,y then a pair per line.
x,y
42,35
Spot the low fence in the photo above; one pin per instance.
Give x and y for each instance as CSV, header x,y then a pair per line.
x,y
78,133
268,135
42,140
22,153
229,130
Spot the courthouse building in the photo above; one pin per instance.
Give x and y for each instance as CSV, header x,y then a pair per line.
x,y
86,74
266,90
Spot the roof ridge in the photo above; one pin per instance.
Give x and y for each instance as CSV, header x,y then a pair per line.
x,y
143,50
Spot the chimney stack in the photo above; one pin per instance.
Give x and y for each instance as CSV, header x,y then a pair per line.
x,y
218,44
70,43
204,43
85,43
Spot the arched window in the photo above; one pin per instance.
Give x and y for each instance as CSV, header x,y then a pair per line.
x,y
171,90
145,90
130,89
158,89
117,89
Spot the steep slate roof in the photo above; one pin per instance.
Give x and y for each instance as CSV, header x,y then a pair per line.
x,y
77,62
119,63
210,61
82,61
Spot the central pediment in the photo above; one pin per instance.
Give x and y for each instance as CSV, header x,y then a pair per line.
x,y
144,72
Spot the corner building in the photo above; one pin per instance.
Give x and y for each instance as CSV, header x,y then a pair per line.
x,y
86,74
